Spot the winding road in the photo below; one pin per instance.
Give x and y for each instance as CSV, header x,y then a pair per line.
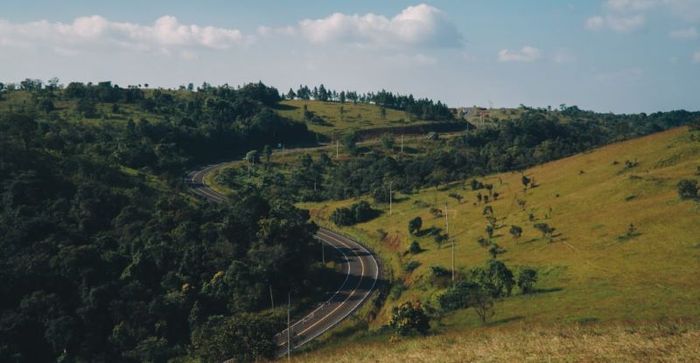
x,y
361,270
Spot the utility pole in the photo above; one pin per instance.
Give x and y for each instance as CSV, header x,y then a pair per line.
x,y
289,334
447,231
390,198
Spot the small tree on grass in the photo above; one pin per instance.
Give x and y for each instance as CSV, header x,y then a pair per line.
x,y
516,231
687,189
414,248
408,318
415,225
496,250
482,302
527,279
489,230
545,229
483,242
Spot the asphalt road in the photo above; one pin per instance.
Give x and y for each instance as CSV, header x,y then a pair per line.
x,y
359,266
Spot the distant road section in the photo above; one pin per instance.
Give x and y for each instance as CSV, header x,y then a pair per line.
x,y
360,268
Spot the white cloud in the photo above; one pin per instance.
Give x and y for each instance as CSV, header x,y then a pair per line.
x,y
595,23
696,57
618,23
563,56
420,25
525,54
687,33
630,15
630,5
95,31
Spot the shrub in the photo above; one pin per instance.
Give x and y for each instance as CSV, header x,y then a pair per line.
x,y
458,296
687,189
414,225
414,248
516,231
527,279
408,318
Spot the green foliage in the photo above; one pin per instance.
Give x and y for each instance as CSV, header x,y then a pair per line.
x,y
495,278
527,277
687,189
356,213
243,338
409,318
104,257
516,231
415,248
458,296
415,225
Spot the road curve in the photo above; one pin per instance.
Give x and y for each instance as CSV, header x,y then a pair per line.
x,y
360,267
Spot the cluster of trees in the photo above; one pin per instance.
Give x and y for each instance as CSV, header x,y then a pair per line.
x,y
423,108
102,262
483,285
357,213
534,138
174,130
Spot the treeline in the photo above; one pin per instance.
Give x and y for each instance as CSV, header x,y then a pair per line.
x,y
166,131
536,137
100,261
423,108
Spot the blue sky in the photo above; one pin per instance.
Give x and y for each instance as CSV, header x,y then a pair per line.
x,y
607,55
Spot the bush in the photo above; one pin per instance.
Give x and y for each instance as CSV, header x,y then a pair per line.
x,y
687,189
408,318
415,248
415,225
527,279
458,296
495,278
439,271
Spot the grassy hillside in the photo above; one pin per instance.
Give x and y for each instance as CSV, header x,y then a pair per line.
x,y
353,116
667,342
592,270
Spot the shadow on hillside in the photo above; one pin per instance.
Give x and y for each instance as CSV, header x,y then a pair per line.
x,y
545,291
505,320
283,107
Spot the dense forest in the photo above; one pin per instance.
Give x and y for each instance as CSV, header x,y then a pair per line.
x,y
103,257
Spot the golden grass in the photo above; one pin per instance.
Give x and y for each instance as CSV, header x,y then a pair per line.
x,y
355,116
666,342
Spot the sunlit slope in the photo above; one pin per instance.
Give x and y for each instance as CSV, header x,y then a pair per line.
x,y
593,269
343,117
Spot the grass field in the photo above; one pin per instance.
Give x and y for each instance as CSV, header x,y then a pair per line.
x,y
354,116
592,271
664,342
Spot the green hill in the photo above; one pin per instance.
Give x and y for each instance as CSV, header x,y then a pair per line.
x,y
594,268
329,118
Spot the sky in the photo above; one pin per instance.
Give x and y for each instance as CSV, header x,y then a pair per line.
x,y
618,56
